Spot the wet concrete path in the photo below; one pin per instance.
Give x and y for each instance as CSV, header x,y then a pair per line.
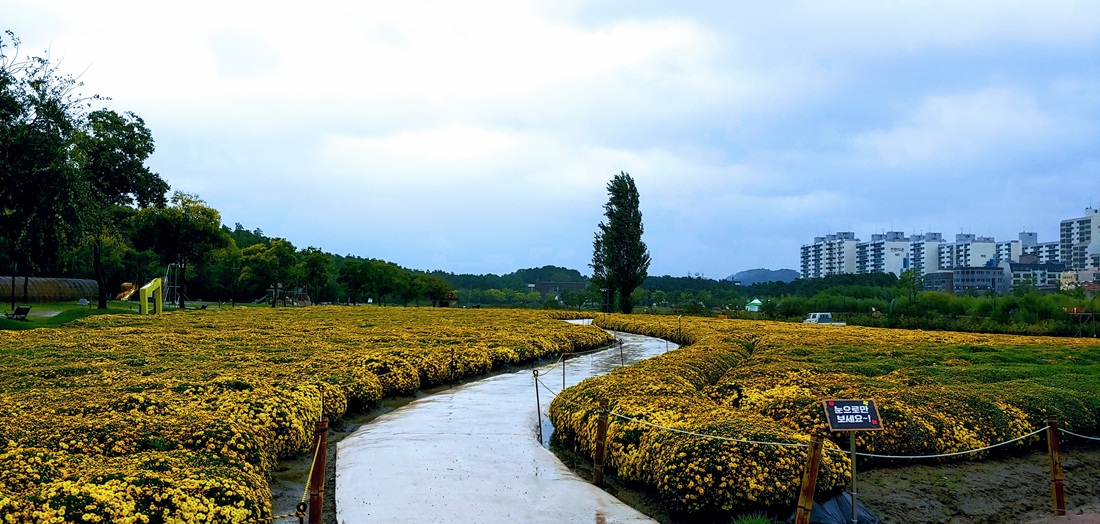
x,y
472,454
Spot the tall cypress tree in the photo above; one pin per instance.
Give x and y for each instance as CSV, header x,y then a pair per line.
x,y
620,260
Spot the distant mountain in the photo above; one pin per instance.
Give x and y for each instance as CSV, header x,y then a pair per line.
x,y
756,276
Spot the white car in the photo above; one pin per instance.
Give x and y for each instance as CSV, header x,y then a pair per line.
x,y
821,318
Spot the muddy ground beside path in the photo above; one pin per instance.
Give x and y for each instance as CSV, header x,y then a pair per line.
x,y
1004,490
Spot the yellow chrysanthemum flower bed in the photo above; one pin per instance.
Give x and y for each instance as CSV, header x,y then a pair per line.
x,y
937,393
180,417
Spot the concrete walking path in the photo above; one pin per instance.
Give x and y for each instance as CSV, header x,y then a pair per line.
x,y
472,454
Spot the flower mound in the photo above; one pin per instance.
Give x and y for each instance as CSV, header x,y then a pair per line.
x,y
937,393
181,417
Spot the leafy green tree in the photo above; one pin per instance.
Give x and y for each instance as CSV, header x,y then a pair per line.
x,y
620,260
385,278
434,288
314,269
224,275
353,276
494,296
185,232
41,190
245,238
658,297
909,284
412,289
1024,287
113,149
272,265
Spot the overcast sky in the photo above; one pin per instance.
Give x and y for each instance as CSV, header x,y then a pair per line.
x,y
480,136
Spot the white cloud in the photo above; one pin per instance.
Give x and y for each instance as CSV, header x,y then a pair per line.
x,y
961,128
482,134
433,156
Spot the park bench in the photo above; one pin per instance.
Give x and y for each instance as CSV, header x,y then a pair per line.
x,y
20,313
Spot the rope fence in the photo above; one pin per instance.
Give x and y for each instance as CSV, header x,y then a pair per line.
x,y
944,455
800,445
1068,432
313,493
839,451
815,446
714,437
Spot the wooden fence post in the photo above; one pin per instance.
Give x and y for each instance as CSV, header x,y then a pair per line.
x,y
1057,474
317,479
601,436
809,481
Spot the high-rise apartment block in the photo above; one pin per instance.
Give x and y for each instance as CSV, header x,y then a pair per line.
x,y
1039,252
968,251
830,255
1078,249
885,253
924,252
1080,239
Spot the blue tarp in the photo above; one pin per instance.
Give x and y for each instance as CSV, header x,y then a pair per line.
x,y
838,510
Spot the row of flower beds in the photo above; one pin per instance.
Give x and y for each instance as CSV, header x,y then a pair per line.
x,y
181,417
937,393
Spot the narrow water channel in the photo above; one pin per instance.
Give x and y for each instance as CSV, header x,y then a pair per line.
x,y
472,453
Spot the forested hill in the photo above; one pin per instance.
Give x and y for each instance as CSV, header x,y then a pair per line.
x,y
756,276
516,281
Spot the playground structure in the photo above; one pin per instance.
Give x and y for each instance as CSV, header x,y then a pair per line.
x,y
154,288
171,284
287,296
128,289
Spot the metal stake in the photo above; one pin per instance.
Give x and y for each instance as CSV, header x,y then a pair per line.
x,y
538,405
855,519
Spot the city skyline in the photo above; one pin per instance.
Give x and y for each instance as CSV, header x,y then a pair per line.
x,y
1077,248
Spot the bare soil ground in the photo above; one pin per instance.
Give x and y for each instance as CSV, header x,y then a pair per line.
x,y
1013,489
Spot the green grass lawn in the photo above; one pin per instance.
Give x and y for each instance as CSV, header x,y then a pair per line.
x,y
53,314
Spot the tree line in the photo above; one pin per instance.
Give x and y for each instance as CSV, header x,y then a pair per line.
x,y
78,200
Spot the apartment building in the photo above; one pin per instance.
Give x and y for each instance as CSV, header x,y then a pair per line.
x,y
924,252
979,280
885,253
1039,252
1008,251
1080,240
968,251
970,263
830,255
1045,277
